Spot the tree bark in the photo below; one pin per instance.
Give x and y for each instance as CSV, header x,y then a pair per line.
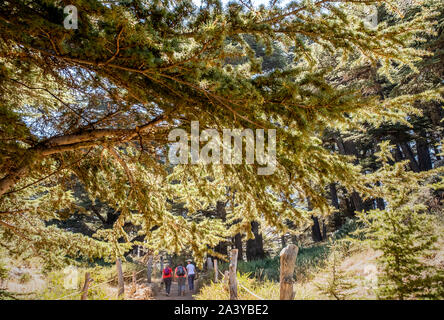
x,y
70,142
349,148
423,151
335,202
324,230
379,201
222,248
239,246
356,201
283,242
409,155
255,247
398,154
315,230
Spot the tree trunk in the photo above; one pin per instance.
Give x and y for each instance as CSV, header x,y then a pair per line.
x,y
356,201
316,230
335,202
222,248
70,142
409,155
255,247
398,154
349,148
238,245
283,242
324,230
221,213
379,201
334,195
423,151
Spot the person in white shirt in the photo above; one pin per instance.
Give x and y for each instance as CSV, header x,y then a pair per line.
x,y
191,270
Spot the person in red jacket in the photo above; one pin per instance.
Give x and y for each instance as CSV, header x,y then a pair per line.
x,y
181,276
167,276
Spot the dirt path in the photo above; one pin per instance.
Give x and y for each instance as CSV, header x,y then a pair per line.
x,y
161,295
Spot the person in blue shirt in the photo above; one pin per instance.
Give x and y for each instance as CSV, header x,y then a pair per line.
x,y
191,270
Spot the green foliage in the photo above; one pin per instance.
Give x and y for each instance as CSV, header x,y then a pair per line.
x,y
94,106
405,234
59,285
348,229
266,289
335,282
268,269
56,289
4,271
25,278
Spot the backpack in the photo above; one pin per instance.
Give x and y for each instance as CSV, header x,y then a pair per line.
x,y
180,271
167,271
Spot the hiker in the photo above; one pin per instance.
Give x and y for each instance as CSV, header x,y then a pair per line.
x,y
181,275
167,274
191,270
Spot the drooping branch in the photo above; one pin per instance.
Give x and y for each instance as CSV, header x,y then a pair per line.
x,y
59,144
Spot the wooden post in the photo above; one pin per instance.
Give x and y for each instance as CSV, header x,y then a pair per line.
x,y
215,271
149,268
121,284
86,286
209,264
226,277
233,279
288,259
133,284
138,251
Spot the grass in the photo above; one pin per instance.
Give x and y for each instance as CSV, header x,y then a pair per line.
x,y
103,277
4,271
25,278
266,289
268,269
262,276
309,259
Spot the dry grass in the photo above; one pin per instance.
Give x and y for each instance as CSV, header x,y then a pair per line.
x,y
361,264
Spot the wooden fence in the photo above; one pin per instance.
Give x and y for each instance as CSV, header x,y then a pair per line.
x,y
288,261
287,258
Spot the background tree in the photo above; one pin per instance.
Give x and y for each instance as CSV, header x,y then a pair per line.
x,y
404,232
94,106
